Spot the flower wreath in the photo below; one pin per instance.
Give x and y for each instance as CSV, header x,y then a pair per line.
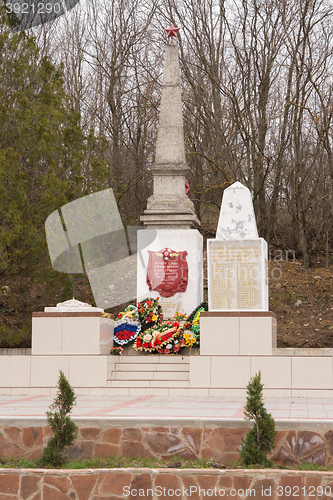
x,y
189,338
158,336
194,318
173,346
127,325
149,312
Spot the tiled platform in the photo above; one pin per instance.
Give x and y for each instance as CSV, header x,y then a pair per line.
x,y
169,407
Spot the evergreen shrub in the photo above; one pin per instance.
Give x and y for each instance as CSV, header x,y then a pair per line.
x,y
259,441
63,427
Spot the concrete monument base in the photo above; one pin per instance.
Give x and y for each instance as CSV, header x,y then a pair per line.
x,y
237,332
286,373
187,242
283,374
71,328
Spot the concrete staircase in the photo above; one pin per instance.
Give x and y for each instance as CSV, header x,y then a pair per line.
x,y
152,374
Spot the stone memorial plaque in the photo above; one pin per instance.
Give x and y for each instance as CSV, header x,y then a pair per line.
x,y
170,305
174,273
237,277
167,272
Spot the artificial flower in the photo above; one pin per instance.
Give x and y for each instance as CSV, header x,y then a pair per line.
x,y
197,320
157,336
127,325
190,338
117,350
149,311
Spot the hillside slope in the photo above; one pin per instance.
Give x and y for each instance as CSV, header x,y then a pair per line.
x,y
302,300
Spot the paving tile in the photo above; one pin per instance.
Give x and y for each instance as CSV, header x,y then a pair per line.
x,y
299,414
160,406
280,413
316,414
329,413
316,406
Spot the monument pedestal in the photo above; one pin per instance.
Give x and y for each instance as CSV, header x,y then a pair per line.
x,y
71,333
71,328
168,274
237,333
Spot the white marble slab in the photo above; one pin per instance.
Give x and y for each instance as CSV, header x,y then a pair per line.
x,y
237,220
237,275
73,305
189,240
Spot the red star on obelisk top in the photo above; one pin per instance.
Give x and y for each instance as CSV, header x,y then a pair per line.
x,y
172,31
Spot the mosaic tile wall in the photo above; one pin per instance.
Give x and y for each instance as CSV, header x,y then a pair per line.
x,y
197,484
217,443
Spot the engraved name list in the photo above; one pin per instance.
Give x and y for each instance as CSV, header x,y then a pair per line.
x,y
235,281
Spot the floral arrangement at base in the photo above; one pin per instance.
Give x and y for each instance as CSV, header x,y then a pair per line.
x,y
180,316
189,338
172,347
117,351
158,336
192,327
194,317
149,313
127,325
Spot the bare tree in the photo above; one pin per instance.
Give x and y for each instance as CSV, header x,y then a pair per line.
x,y
257,94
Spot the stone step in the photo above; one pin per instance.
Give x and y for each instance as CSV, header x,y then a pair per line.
x,y
166,384
142,367
150,375
149,372
153,359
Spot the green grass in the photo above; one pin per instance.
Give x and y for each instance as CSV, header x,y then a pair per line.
x,y
174,461
311,466
112,462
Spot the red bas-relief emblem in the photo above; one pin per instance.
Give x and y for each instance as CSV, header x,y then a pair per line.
x,y
167,272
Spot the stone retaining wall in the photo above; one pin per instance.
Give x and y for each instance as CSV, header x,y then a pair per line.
x,y
221,444
152,484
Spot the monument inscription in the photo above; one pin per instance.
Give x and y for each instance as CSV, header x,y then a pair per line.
x,y
237,258
167,272
235,269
